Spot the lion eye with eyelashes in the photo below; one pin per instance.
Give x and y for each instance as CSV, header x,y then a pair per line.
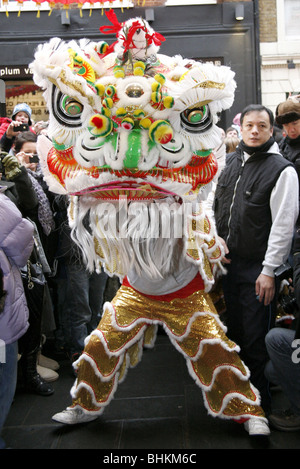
x,y
196,119
67,110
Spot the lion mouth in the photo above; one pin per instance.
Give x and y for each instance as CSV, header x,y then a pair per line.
x,y
131,190
134,183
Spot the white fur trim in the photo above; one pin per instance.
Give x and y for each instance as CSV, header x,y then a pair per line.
x,y
104,378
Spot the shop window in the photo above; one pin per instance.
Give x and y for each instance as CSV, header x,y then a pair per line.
x,y
26,92
292,19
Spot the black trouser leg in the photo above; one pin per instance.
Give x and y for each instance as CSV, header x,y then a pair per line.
x,y
249,321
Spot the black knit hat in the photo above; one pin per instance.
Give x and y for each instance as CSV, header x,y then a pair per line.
x,y
288,111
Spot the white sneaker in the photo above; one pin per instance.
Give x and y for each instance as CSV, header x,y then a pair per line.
x,y
257,427
74,416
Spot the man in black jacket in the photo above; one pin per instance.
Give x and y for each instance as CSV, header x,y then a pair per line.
x,y
256,207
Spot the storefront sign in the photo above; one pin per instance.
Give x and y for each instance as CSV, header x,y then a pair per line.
x,y
13,72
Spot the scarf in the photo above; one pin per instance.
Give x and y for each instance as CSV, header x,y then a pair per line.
x,y
293,142
254,150
45,215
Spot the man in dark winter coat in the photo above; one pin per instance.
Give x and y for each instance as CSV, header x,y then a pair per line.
x,y
288,116
256,207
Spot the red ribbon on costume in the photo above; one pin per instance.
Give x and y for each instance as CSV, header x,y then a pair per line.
x,y
157,38
112,17
128,43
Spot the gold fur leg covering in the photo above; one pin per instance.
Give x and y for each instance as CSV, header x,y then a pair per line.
x,y
193,326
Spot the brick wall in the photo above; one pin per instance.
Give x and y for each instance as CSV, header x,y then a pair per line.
x,y
268,20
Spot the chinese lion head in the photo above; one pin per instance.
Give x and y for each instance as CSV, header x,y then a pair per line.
x,y
129,127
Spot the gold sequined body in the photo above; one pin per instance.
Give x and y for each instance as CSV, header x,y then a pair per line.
x,y
129,324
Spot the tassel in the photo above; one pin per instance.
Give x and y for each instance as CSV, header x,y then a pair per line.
x,y
66,7
5,2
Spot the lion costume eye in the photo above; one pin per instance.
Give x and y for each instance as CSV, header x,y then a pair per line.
x,y
196,119
71,106
66,109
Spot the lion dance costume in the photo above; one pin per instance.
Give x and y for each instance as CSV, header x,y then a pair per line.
x,y
131,138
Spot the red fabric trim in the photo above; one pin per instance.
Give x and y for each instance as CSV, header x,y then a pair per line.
x,y
241,420
195,285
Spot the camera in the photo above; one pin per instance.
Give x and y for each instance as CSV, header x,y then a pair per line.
x,y
34,158
287,300
21,128
288,304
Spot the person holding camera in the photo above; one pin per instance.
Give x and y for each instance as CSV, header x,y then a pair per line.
x,y
256,208
25,152
21,122
21,166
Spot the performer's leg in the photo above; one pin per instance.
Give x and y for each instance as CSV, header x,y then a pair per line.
x,y
107,355
217,369
214,363
225,384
